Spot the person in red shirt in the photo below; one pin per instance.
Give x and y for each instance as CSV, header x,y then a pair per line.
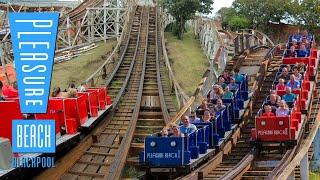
x,y
281,86
268,111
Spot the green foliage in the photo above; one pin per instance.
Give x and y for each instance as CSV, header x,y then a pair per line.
x,y
260,13
184,10
230,19
225,15
308,13
237,23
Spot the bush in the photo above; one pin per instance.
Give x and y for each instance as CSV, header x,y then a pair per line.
x,y
237,23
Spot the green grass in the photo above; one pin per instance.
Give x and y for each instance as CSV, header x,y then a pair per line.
x,y
187,59
80,68
314,176
132,172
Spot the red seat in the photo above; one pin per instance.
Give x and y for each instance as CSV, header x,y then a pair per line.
x,y
55,111
71,112
102,96
10,110
71,124
272,128
82,107
94,104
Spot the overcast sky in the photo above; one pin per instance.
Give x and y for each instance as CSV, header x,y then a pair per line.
x,y
221,3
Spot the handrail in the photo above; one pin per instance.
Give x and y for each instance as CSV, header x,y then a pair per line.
x,y
230,35
164,108
261,33
178,90
304,150
103,67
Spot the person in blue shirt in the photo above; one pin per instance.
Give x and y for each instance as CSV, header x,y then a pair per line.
x,y
194,118
237,76
187,127
293,83
289,97
303,52
233,85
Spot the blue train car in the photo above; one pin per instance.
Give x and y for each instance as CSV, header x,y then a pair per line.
x,y
178,155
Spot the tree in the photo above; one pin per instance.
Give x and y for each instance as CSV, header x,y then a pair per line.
x,y
261,12
308,14
237,23
225,15
184,10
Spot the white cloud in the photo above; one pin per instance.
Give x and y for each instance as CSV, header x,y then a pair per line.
x,y
221,3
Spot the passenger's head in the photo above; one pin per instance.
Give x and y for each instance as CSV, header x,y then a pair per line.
x,y
288,90
281,81
55,91
185,120
206,116
204,103
73,86
295,70
72,93
285,71
226,73
216,88
267,108
193,115
283,104
303,46
236,70
219,102
164,132
227,89
212,109
304,40
304,32
294,42
292,77
175,130
273,98
232,80
221,80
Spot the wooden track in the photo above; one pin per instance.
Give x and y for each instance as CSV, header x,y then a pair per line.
x,y
140,99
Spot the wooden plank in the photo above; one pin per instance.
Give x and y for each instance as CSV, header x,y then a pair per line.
x,y
99,153
212,164
94,163
97,175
